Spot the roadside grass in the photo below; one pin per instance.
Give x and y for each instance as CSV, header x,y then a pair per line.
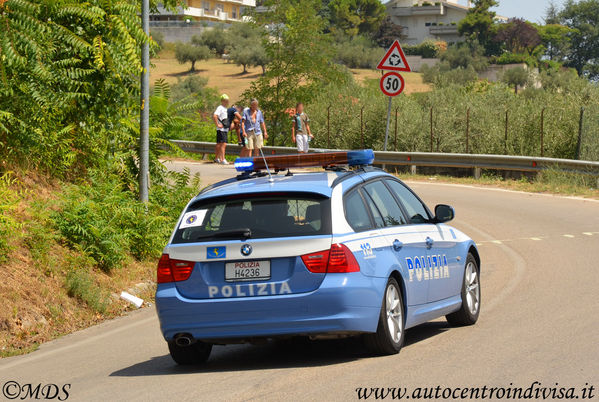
x,y
229,78
50,287
547,182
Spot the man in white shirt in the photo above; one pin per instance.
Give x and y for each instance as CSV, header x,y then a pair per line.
x,y
222,129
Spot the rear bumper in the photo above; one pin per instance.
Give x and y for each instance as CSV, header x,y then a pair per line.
x,y
343,303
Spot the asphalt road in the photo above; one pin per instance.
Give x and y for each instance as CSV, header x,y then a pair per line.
x,y
539,322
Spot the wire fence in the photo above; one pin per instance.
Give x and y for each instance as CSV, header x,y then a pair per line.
x,y
570,132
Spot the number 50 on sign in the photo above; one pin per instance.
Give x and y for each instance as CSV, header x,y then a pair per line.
x,y
392,84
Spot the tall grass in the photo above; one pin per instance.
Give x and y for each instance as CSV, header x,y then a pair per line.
x,y
9,225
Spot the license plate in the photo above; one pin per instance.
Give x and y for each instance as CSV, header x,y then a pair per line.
x,y
247,271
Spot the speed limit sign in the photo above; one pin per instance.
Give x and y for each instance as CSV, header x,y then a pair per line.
x,y
392,84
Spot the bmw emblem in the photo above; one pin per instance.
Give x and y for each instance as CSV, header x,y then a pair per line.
x,y
246,249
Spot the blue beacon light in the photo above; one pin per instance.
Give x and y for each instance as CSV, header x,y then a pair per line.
x,y
281,162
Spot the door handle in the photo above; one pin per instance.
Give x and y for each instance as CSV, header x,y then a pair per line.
x,y
397,245
429,242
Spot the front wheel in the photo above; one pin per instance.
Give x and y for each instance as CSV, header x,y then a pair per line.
x,y
389,336
196,353
468,313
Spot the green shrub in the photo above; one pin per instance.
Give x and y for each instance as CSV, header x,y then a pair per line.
x,y
465,55
516,58
442,75
359,52
428,49
107,222
80,284
9,226
40,235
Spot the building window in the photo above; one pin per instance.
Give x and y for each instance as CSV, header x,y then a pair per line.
x,y
206,5
427,24
234,12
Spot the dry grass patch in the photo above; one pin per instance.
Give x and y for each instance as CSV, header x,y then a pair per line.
x,y
229,78
48,290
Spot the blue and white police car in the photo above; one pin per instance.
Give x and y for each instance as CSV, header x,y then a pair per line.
x,y
346,251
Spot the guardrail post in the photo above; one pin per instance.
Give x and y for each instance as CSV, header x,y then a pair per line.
x,y
579,142
506,128
395,141
362,126
477,172
431,129
542,131
329,127
468,130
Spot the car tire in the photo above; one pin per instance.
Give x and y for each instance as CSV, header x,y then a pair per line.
x,y
196,353
470,309
390,333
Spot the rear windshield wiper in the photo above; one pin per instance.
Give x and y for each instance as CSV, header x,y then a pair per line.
x,y
244,233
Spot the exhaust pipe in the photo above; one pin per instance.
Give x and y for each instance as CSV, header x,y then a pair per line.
x,y
183,340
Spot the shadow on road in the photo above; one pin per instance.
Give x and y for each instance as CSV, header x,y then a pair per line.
x,y
299,352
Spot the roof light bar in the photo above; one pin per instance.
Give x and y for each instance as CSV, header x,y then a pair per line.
x,y
324,159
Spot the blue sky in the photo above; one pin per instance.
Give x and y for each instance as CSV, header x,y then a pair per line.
x,y
532,10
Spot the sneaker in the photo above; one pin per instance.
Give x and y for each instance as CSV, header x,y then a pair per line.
x,y
224,162
216,160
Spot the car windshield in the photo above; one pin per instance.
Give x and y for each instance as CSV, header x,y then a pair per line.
x,y
254,216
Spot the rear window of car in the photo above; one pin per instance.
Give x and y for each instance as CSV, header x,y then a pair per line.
x,y
265,215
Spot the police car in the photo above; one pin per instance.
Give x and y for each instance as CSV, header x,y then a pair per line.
x,y
349,250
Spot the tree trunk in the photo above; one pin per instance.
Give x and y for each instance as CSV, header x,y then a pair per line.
x,y
245,69
193,65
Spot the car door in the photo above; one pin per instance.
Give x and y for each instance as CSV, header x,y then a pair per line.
x,y
405,242
441,265
370,244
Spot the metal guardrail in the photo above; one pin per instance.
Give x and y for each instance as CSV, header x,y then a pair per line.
x,y
419,159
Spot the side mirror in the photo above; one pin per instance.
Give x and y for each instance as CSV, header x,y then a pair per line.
x,y
444,213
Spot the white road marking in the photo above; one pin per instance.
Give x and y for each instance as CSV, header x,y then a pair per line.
x,y
501,190
518,268
534,238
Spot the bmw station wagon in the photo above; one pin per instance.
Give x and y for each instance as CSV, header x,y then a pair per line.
x,y
346,251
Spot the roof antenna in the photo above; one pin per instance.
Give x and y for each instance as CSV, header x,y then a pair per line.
x,y
270,179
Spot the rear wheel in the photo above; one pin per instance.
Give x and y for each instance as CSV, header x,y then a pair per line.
x,y
468,313
196,353
389,336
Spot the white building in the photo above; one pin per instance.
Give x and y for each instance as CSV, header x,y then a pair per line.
x,y
434,19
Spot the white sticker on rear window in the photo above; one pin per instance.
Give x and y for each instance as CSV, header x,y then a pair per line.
x,y
193,219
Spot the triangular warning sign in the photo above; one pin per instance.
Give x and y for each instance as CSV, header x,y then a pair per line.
x,y
395,59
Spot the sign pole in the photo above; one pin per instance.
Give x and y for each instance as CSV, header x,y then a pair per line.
x,y
388,120
144,118
392,84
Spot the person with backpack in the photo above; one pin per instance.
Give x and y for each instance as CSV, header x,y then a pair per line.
x,y
221,119
300,131
234,116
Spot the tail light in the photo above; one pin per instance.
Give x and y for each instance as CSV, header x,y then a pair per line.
x,y
170,270
339,259
317,262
